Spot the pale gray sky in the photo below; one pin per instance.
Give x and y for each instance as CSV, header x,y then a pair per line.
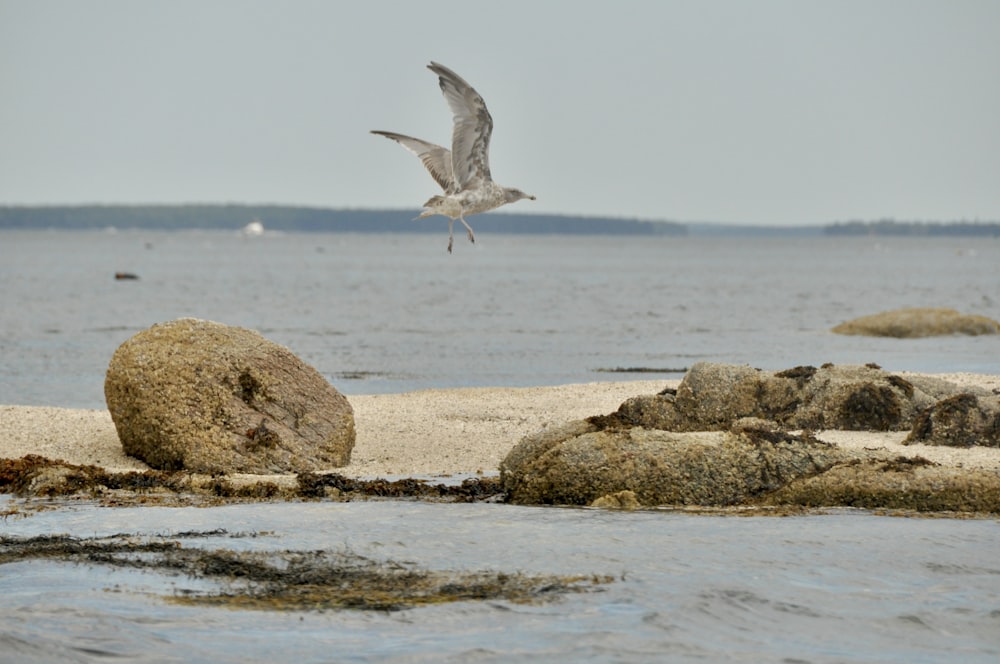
x,y
766,112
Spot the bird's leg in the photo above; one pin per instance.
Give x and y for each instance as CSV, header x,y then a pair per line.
x,y
451,236
472,238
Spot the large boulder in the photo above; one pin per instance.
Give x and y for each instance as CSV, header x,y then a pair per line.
x,y
919,322
578,464
206,397
713,396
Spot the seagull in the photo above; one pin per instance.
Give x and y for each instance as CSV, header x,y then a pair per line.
x,y
464,171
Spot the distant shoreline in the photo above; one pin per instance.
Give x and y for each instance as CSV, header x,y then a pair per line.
x,y
312,219
308,219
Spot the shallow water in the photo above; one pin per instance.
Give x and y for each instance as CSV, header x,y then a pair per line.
x,y
392,313
847,586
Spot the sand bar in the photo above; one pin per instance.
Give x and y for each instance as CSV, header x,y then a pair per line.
x,y
434,432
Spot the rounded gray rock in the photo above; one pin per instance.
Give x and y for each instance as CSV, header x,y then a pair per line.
x,y
206,397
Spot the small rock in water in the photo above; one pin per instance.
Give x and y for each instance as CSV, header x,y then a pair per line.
x,y
918,322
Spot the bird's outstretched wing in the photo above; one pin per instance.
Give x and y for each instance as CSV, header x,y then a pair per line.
x,y
470,140
436,159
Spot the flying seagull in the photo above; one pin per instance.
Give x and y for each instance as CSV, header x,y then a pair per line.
x,y
464,171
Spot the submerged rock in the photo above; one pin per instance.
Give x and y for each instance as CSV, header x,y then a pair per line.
x,y
314,580
196,395
919,322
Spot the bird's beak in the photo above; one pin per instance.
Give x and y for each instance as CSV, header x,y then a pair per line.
x,y
530,197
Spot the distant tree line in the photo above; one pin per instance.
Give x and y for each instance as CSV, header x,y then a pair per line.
x,y
310,219
916,228
288,218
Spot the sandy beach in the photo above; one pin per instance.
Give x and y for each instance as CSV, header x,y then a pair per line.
x,y
434,432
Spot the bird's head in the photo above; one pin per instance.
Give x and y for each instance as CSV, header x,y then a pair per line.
x,y
511,194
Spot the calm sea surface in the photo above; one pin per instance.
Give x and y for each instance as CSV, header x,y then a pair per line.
x,y
843,587
392,313
387,313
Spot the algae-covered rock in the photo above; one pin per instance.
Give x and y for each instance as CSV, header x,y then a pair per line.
x,y
897,484
202,396
620,500
962,420
578,465
628,468
919,322
724,438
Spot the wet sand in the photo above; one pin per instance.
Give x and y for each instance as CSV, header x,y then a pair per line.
x,y
434,432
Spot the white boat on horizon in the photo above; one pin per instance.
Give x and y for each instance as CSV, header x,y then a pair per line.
x,y
254,228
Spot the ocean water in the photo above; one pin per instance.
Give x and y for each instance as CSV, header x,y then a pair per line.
x,y
388,313
842,587
393,313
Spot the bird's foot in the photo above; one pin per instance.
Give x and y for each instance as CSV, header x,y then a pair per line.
x,y
468,230
450,240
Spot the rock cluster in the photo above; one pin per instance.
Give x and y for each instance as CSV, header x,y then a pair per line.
x,y
201,396
732,435
713,396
